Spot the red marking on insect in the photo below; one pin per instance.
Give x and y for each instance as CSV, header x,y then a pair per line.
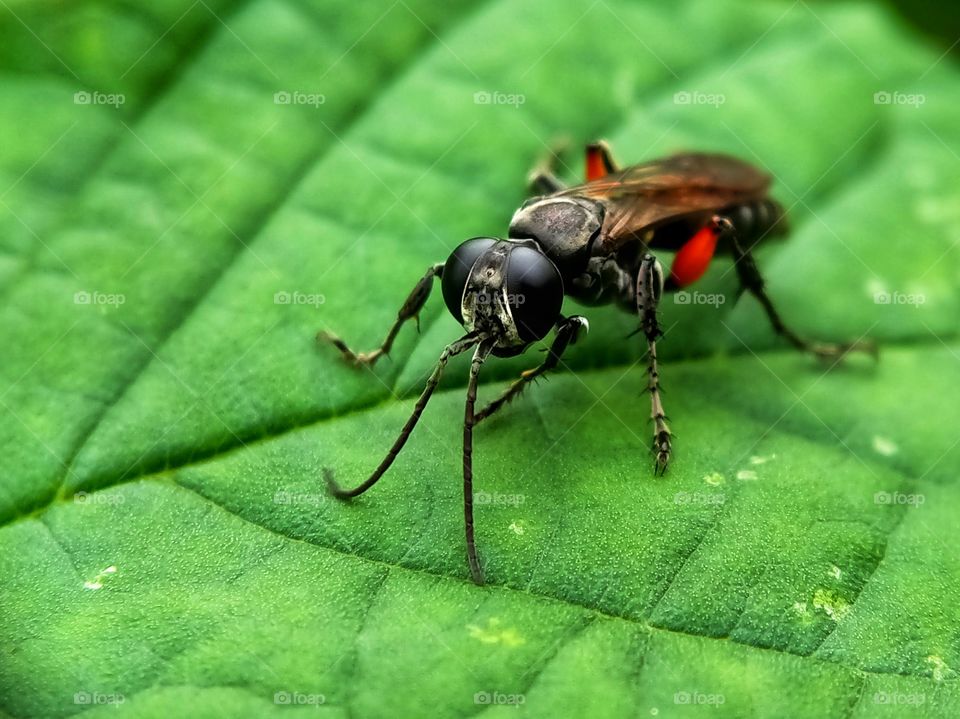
x,y
692,260
596,168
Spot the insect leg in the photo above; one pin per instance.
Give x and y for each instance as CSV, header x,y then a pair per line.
x,y
544,182
752,281
410,310
479,355
568,332
452,349
649,290
542,179
599,161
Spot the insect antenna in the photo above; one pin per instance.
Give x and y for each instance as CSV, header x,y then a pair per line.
x,y
454,348
479,355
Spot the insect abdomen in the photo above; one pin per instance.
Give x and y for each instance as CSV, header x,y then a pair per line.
x,y
752,220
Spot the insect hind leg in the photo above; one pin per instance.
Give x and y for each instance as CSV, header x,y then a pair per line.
x,y
735,230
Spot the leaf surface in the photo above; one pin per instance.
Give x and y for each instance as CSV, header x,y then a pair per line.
x,y
166,542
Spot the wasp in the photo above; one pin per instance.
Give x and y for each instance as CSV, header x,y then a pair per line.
x,y
594,243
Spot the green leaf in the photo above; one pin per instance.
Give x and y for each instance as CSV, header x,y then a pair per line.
x,y
166,545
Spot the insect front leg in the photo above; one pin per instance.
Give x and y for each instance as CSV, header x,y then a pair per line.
x,y
649,291
410,310
569,330
752,281
451,350
469,420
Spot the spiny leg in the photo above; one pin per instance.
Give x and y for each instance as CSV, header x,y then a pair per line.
x,y
752,281
410,310
649,291
452,349
568,332
469,420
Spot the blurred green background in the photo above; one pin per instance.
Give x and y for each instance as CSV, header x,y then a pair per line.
x,y
938,20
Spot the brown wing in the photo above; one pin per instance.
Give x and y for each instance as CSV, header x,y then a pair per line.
x,y
642,196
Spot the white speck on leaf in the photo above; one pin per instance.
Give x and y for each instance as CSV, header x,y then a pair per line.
x,y
761,460
835,572
97,581
831,603
714,479
746,474
940,669
493,633
884,446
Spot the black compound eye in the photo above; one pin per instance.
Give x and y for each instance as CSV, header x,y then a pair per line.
x,y
456,272
534,292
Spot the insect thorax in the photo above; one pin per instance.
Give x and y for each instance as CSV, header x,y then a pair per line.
x,y
564,227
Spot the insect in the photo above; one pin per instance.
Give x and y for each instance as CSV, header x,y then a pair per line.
x,y
593,242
